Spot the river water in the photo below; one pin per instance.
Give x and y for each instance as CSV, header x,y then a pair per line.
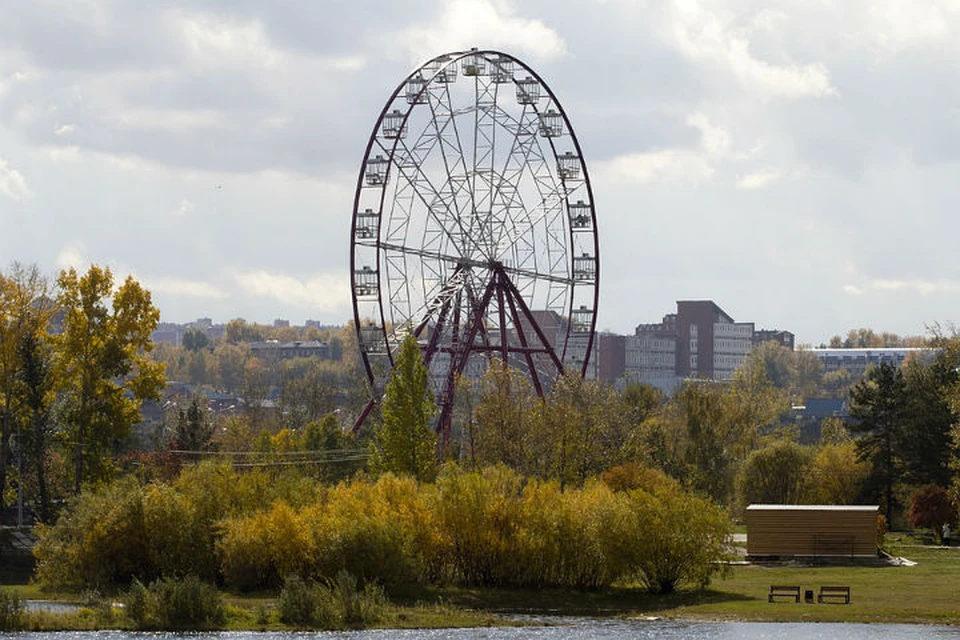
x,y
577,629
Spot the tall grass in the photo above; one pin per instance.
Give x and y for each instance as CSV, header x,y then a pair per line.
x,y
11,610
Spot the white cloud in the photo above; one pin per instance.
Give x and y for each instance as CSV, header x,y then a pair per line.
x,y
73,255
711,38
672,165
185,208
64,154
714,140
895,25
12,183
190,288
324,292
173,120
759,179
483,24
923,287
65,129
216,41
917,286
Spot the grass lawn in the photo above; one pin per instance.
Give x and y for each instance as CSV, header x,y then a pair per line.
x,y
925,593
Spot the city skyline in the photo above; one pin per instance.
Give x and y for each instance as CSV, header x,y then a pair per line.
x,y
740,152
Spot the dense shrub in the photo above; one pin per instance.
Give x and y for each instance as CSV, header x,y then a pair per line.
x,y
369,530
185,603
334,604
136,604
257,550
297,603
680,539
100,540
477,517
490,527
11,610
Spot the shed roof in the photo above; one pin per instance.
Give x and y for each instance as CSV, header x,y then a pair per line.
x,y
812,507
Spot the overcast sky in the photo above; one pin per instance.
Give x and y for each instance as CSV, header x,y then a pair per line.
x,y
794,160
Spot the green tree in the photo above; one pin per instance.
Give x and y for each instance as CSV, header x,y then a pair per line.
x,y
37,384
582,430
774,474
326,435
25,310
194,428
711,440
403,442
502,419
641,401
102,363
195,340
876,406
924,444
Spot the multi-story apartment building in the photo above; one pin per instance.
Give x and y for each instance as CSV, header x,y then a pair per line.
x,y
700,340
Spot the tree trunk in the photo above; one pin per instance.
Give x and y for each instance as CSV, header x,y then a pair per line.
x,y
4,455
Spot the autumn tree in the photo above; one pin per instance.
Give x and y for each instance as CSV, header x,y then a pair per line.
x,y
403,442
836,475
931,507
103,367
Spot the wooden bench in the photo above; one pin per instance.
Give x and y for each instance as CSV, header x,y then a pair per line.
x,y
834,595
786,591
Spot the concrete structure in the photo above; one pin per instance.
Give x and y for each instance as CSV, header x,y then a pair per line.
x,y
819,531
611,356
784,338
276,350
857,361
651,356
700,340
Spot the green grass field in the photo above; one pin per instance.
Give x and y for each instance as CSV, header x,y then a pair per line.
x,y
925,593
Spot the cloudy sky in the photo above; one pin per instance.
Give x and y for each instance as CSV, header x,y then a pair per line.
x,y
794,160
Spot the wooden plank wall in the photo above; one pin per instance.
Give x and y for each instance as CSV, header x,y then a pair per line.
x,y
811,532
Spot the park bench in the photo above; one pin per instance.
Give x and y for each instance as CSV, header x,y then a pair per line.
x,y
786,591
834,594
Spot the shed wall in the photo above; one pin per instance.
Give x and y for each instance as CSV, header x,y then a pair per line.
x,y
811,532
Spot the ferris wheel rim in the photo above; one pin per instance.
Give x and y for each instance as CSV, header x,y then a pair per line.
x,y
435,67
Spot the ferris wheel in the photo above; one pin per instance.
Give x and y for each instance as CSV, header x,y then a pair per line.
x,y
474,228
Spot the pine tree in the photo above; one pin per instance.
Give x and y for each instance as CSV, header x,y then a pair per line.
x,y
876,406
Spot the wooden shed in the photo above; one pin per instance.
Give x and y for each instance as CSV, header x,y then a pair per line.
x,y
811,530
